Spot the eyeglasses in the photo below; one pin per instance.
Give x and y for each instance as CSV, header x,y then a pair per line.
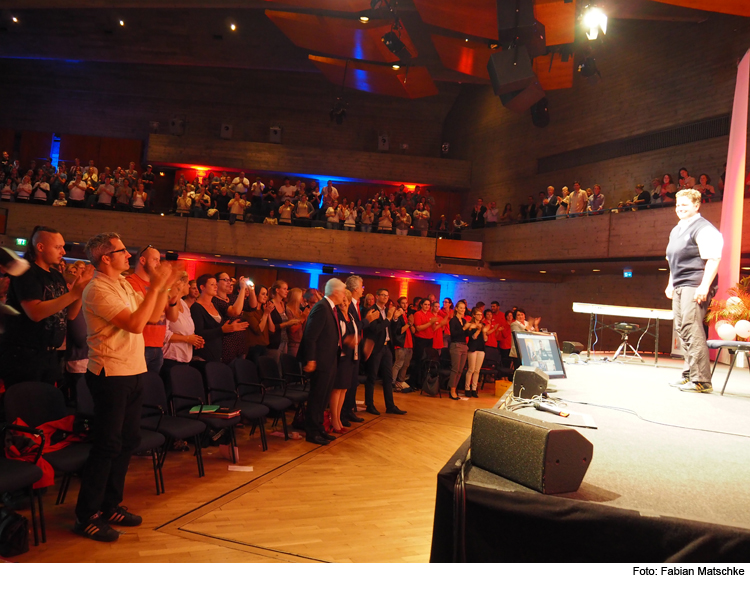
x,y
116,251
140,254
225,279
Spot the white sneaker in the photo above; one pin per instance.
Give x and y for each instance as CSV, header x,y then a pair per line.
x,y
403,385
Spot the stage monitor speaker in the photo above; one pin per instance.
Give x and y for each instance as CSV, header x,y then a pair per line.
x,y
510,72
529,382
570,347
521,101
546,457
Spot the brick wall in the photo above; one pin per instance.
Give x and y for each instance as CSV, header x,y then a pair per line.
x,y
655,75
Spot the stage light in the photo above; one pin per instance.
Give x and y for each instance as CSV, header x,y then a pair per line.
x,y
542,271
122,23
396,67
364,19
587,68
15,20
662,269
396,46
595,270
233,27
594,20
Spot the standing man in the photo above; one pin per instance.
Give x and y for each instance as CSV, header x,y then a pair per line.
x,y
147,179
402,326
377,328
319,352
29,346
356,286
693,252
579,201
155,331
115,318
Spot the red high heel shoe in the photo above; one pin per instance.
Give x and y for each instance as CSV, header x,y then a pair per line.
x,y
341,431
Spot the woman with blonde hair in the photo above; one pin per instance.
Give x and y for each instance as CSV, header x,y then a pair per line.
x,y
293,312
346,361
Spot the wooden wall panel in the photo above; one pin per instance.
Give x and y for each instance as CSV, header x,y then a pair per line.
x,y
34,146
116,152
7,141
83,147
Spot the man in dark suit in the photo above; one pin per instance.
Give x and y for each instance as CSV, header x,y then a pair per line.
x,y
355,285
319,353
377,329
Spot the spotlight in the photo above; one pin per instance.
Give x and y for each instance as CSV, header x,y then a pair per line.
x,y
396,67
15,20
587,68
396,46
338,112
122,23
364,19
233,27
594,20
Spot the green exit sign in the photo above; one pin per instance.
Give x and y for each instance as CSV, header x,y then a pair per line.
x,y
20,241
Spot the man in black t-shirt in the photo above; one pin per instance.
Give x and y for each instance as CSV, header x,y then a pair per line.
x,y
28,351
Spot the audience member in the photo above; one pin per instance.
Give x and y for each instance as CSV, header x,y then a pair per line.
x,y
475,357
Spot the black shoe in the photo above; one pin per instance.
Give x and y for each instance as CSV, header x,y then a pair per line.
x,y
345,422
372,410
395,410
317,439
681,382
96,529
120,516
452,397
474,394
354,419
328,437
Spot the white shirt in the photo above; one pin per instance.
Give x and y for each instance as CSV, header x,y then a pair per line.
x,y
185,326
240,186
709,239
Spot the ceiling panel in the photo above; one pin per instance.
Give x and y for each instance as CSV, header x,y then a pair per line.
x,y
553,73
558,18
738,7
348,38
407,82
467,57
336,5
477,18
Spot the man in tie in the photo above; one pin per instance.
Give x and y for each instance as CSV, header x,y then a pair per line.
x,y
319,352
377,329
354,284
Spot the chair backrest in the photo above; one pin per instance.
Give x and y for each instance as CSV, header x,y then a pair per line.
x,y
35,403
84,401
154,393
186,381
290,365
268,367
220,381
491,357
245,372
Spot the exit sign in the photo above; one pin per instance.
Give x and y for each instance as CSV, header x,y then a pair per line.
x,y
627,272
20,241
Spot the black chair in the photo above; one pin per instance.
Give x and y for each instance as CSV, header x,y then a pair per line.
x,y
151,441
222,390
249,388
188,392
296,380
292,382
489,365
431,367
36,403
445,369
19,475
156,417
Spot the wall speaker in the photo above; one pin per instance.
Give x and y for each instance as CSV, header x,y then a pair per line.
x,y
570,347
328,269
529,382
546,457
177,126
521,101
511,71
172,255
540,113
275,135
383,144
226,131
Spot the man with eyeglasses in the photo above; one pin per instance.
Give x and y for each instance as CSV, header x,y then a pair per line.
x,y
29,348
116,316
149,259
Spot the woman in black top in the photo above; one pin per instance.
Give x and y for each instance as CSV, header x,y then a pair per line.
x,y
346,362
458,348
475,357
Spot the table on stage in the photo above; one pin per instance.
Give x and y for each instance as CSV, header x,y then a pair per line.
x,y
595,310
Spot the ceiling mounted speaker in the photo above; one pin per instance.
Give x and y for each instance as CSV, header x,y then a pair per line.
x,y
521,101
514,13
510,71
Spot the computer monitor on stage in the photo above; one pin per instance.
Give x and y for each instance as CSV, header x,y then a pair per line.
x,y
540,350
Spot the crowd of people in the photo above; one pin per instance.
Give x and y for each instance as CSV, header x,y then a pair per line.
x,y
549,205
109,324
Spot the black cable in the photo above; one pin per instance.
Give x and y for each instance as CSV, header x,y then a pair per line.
x,y
635,413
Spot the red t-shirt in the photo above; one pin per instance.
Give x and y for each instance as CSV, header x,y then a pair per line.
x,y
153,334
437,339
421,318
491,337
504,337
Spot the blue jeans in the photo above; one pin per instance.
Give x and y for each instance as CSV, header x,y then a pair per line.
x,y
154,359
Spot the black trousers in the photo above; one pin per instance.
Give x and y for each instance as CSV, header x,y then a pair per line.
x,y
420,346
116,435
321,384
380,364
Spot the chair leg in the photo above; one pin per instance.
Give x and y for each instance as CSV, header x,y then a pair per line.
x,y
283,424
729,373
42,524
155,463
63,488
32,494
198,455
262,429
233,444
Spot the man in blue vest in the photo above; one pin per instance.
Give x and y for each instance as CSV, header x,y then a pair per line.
x,y
693,252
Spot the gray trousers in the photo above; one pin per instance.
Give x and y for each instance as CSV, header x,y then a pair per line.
x,y
401,364
688,322
459,352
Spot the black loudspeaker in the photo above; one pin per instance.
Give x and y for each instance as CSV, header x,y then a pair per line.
x,y
328,269
529,382
549,458
570,347
171,255
511,71
523,100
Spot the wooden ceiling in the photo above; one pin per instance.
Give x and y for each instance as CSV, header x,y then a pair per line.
x,y
449,40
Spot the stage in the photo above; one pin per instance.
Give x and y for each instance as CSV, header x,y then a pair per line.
x,y
670,483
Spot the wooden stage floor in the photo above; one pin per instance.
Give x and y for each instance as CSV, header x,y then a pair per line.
x,y
367,497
